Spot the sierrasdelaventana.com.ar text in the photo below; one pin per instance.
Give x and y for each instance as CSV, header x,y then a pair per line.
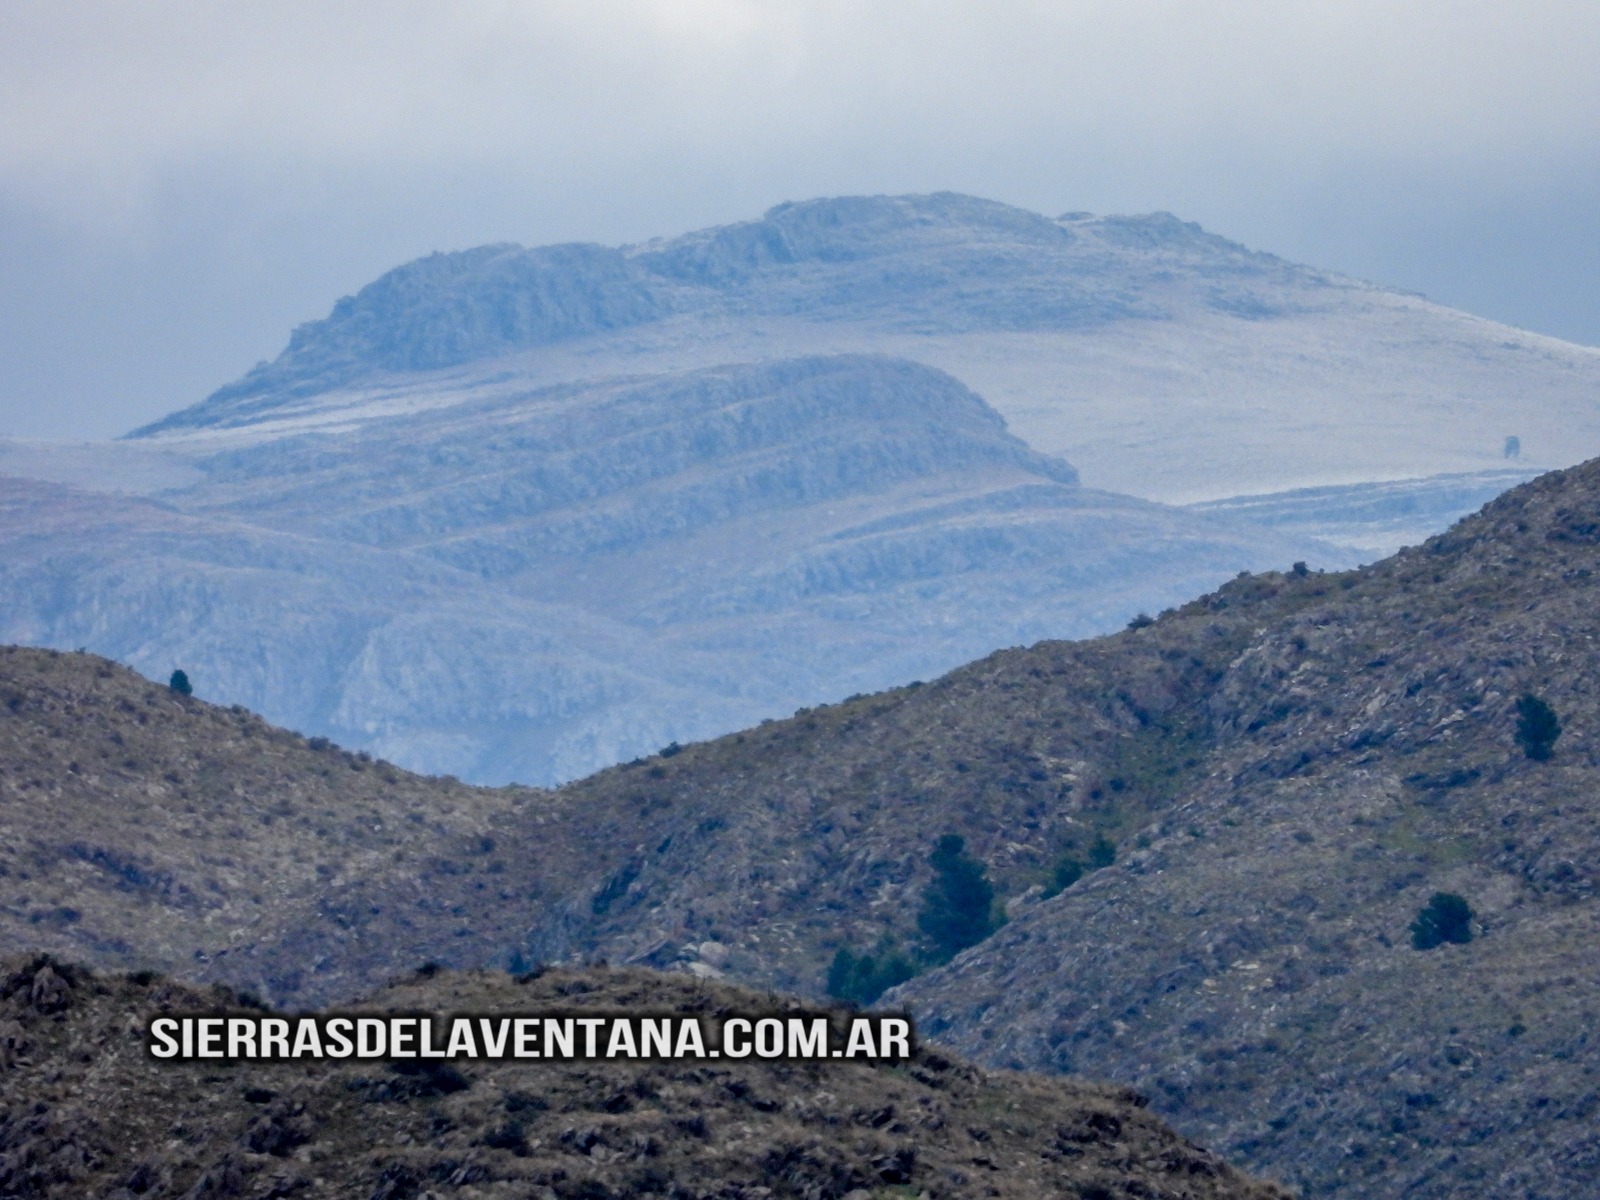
x,y
524,1036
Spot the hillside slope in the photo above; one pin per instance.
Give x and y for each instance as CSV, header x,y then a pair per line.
x,y
1291,767
146,829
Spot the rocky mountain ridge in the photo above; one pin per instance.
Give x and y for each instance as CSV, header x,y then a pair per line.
x,y
961,262
1166,362
516,514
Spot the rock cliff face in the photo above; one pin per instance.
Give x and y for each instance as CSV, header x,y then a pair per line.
x,y
528,584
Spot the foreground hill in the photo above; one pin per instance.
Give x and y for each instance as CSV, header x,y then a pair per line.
x,y
147,829
1364,757
84,1110
1291,768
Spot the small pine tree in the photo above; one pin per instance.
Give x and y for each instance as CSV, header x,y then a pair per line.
x,y
1538,727
180,683
957,908
1445,918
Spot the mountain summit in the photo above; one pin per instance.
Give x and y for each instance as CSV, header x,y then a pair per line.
x,y
1163,360
929,264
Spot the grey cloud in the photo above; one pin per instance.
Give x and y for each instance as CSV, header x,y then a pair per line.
x,y
183,181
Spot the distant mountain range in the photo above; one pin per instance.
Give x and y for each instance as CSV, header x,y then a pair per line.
x,y
516,514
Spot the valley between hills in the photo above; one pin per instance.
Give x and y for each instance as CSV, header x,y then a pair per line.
x,y
1289,767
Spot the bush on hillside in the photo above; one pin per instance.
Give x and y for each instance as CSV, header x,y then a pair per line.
x,y
180,683
1538,727
861,979
1067,872
1070,868
1103,853
1445,918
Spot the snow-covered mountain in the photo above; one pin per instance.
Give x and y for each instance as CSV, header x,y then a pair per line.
x,y
1161,360
519,513
527,584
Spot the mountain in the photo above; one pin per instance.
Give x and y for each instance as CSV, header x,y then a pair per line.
x,y
1291,768
87,1111
528,584
1166,362
518,514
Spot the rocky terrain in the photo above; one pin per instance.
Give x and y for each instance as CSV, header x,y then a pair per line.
x,y
1290,767
85,1111
143,828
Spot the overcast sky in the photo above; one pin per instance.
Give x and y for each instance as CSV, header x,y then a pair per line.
x,y
181,183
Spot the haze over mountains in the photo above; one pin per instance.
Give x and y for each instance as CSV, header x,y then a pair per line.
x,y
516,514
1162,360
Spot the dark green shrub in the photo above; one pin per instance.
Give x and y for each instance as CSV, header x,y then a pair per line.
x,y
180,684
1070,868
1445,918
957,908
1103,853
1537,727
1140,621
1068,871
861,979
